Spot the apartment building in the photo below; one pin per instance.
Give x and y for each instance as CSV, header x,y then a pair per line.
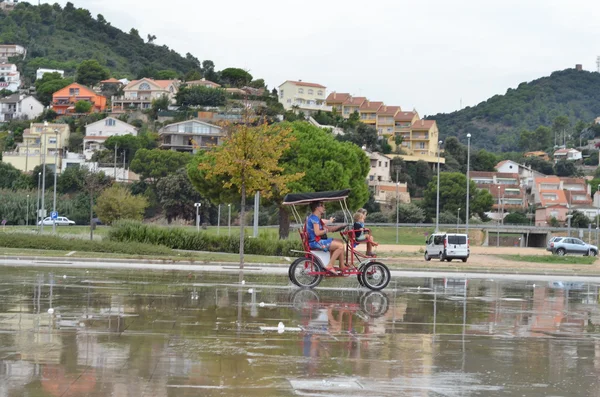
x,y
379,179
190,136
139,94
336,101
526,174
556,196
505,188
40,140
10,50
303,96
368,112
10,78
385,120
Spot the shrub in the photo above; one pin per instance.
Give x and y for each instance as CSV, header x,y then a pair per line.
x,y
118,203
410,213
378,217
48,242
177,238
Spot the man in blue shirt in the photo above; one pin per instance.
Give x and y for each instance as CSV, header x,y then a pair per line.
x,y
317,236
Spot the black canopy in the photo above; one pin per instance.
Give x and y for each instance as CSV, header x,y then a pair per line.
x,y
306,198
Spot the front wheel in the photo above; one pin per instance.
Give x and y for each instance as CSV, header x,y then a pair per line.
x,y
593,253
427,257
374,303
376,276
464,259
302,273
561,252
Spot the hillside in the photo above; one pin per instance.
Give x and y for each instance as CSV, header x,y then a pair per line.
x,y
496,123
61,38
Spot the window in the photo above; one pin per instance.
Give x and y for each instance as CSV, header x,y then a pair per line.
x,y
386,164
281,94
52,141
457,239
110,122
144,86
320,93
310,92
380,163
73,91
300,90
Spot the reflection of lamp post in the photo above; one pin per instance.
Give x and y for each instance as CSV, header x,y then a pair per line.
x,y
229,219
597,214
468,183
437,205
42,207
55,172
37,211
457,219
397,210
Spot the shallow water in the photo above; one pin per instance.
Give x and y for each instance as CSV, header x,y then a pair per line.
x,y
136,333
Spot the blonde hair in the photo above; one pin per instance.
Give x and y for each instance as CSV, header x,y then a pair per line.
x,y
357,216
362,211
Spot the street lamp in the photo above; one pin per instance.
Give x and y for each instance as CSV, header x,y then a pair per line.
x,y
43,177
229,219
437,206
37,211
219,221
498,221
397,210
55,172
597,212
197,205
468,183
27,213
457,219
569,223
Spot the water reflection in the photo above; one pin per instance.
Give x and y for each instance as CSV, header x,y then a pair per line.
x,y
176,334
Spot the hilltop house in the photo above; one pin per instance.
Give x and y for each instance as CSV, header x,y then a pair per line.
x,y
98,132
19,107
567,154
385,190
139,94
306,97
190,135
64,100
10,78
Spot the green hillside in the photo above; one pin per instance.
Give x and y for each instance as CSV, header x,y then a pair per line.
x,y
496,124
61,38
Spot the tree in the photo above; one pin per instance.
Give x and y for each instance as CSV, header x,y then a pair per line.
x,y
422,174
561,127
193,75
83,107
125,143
208,71
516,218
249,161
453,193
361,135
159,104
565,168
8,175
166,75
117,203
151,38
135,33
579,219
155,164
201,96
258,83
90,73
540,165
410,213
48,85
177,196
235,77
484,161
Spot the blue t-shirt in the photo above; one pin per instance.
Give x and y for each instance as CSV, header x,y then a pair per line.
x,y
311,221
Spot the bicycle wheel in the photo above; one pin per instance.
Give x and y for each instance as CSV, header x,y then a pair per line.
x,y
376,276
293,280
360,274
304,298
302,273
374,303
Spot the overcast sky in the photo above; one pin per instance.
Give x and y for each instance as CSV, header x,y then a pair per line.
x,y
423,54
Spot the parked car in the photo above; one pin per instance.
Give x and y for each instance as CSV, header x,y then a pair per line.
x,y
447,246
571,245
550,245
60,221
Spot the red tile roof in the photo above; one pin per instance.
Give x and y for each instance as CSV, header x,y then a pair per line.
x,y
160,83
404,116
423,124
111,80
388,110
337,97
369,106
355,101
561,199
305,84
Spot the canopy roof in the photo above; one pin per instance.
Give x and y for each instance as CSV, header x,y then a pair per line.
x,y
306,198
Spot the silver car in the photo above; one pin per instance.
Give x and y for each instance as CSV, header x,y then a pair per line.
x,y
60,221
571,245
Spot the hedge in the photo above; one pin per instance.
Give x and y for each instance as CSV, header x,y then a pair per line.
x,y
50,242
178,238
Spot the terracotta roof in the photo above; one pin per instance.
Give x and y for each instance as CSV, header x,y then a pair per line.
x,y
160,83
388,110
495,192
570,193
535,153
355,100
111,80
405,116
547,179
371,106
305,84
561,199
337,97
203,82
490,174
423,124
578,181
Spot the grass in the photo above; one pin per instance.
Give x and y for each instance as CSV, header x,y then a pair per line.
x,y
567,260
382,234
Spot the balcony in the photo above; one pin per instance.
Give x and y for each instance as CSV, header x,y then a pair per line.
x,y
314,107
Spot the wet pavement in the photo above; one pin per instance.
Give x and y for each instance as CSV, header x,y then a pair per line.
x,y
78,332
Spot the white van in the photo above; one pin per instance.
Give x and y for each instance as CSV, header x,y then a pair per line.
x,y
447,246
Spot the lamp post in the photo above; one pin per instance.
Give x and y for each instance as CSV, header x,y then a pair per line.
x,y
55,172
197,205
27,213
468,183
597,212
37,203
498,221
397,210
42,207
569,223
219,221
457,219
437,205
229,219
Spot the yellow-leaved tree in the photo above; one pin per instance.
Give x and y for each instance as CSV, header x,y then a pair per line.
x,y
248,161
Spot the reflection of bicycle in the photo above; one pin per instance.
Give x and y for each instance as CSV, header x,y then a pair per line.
x,y
309,270
373,304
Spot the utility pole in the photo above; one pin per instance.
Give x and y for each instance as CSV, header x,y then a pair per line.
x,y
116,146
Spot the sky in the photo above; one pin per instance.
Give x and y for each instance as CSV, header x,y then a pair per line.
x,y
430,55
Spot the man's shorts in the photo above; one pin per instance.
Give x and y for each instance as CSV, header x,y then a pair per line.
x,y
322,245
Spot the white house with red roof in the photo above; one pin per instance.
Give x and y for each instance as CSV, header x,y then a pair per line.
x,y
304,96
567,154
139,94
98,132
10,78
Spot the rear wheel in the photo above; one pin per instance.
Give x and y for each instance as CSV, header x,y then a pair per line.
x,y
302,273
304,298
374,303
449,259
561,252
442,257
376,276
360,274
464,259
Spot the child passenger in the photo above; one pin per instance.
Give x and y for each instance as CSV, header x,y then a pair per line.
x,y
362,235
